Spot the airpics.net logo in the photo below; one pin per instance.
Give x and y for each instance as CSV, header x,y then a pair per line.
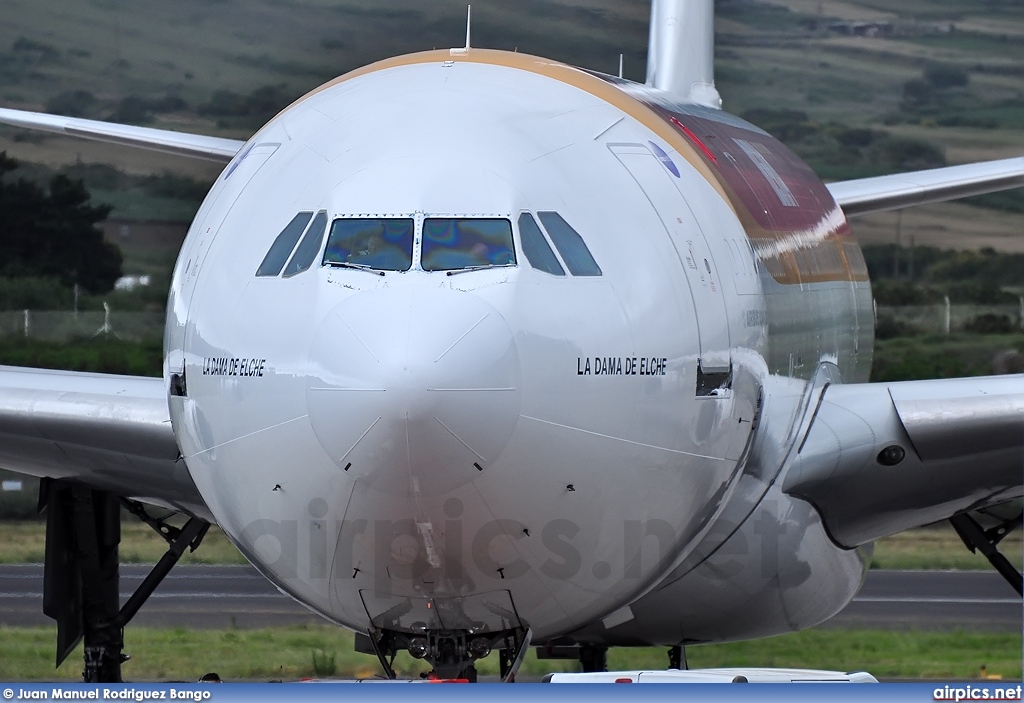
x,y
977,693
502,550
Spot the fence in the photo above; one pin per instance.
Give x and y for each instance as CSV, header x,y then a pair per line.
x,y
63,326
943,318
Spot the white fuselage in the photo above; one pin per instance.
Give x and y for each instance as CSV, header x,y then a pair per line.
x,y
498,443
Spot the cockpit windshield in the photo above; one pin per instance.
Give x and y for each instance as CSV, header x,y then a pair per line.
x,y
383,244
451,244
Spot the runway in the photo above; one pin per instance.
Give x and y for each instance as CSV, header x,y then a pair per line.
x,y
934,600
237,596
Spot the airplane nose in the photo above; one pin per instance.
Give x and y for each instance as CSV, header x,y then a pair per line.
x,y
414,390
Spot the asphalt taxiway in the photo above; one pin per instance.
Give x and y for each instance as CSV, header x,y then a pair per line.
x,y
195,596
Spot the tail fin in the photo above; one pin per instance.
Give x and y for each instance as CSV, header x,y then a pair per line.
x,y
681,51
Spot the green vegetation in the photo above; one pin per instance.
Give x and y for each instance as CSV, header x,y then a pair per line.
x,y
885,654
18,516
251,111
942,356
1007,200
192,49
978,43
941,88
102,354
43,293
72,103
163,196
766,16
219,67
290,653
938,547
22,542
54,233
35,293
924,266
49,243
984,288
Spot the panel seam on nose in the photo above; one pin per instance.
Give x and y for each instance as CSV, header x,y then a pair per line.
x,y
481,458
464,335
360,339
356,443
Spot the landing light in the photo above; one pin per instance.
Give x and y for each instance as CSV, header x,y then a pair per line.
x,y
418,647
479,648
891,455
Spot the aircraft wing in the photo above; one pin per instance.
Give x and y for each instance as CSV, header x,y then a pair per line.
x,y
191,145
109,432
880,458
865,196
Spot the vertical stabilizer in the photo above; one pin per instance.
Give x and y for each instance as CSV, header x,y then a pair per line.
x,y
681,52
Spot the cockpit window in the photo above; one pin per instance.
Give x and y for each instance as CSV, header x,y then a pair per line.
x,y
451,244
306,252
535,246
273,262
570,245
383,244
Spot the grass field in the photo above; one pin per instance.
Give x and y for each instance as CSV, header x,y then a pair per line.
x,y
287,653
23,542
938,547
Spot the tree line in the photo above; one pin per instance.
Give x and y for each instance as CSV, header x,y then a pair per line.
x,y
51,232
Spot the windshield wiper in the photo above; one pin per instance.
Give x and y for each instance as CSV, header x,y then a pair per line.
x,y
475,268
357,267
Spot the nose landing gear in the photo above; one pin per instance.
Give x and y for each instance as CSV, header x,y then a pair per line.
x,y
452,653
451,632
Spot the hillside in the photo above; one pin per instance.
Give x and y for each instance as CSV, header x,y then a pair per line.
x,y
224,66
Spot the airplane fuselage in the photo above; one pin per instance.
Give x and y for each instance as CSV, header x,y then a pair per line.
x,y
545,438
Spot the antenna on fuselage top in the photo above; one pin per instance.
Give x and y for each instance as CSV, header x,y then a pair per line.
x,y
469,23
620,65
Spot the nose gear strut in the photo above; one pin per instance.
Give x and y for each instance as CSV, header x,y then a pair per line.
x,y
452,653
451,632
